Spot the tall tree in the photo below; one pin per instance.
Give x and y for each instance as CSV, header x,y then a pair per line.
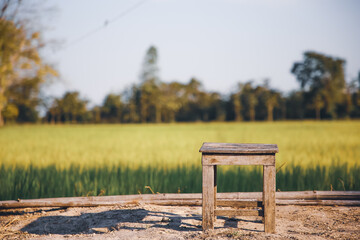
x,y
112,107
96,114
354,89
172,99
271,98
69,108
322,77
236,100
22,69
192,109
134,104
54,111
216,108
250,99
73,106
150,88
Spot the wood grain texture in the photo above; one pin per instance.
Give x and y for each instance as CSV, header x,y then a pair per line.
x,y
303,202
208,204
221,159
74,202
269,198
234,203
209,147
238,212
328,198
215,189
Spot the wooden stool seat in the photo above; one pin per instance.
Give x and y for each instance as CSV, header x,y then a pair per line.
x,y
214,154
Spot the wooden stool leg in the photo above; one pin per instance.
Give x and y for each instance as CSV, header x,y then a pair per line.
x,y
269,198
215,188
208,197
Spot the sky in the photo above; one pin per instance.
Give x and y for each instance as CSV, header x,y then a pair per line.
x,y
219,42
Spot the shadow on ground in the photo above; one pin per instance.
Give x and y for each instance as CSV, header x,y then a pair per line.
x,y
134,219
114,220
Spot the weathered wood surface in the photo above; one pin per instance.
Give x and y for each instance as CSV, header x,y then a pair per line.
x,y
234,203
222,159
321,195
319,202
241,204
239,212
208,205
269,198
340,198
39,203
215,188
236,148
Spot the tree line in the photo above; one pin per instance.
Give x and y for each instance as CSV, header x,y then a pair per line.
x,y
323,94
323,91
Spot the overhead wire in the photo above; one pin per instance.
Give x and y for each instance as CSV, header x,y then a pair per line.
x,y
106,23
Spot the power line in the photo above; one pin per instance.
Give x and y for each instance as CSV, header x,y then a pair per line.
x,y
106,23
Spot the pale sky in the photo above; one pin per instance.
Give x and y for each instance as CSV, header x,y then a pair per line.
x,y
219,42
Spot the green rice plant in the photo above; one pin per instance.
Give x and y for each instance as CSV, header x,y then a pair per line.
x,y
50,181
78,160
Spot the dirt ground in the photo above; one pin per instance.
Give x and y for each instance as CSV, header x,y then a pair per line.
x,y
164,222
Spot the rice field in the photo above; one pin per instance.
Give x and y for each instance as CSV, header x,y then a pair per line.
x,y
79,160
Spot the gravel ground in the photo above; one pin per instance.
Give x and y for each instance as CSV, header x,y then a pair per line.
x,y
164,222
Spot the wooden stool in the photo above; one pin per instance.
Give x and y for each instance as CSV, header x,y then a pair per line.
x,y
214,154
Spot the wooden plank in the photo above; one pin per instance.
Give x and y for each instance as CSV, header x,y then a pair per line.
x,y
223,159
232,203
239,212
209,147
179,202
208,198
40,203
324,195
302,202
293,197
269,198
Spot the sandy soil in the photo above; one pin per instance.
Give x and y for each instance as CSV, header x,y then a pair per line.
x,y
161,222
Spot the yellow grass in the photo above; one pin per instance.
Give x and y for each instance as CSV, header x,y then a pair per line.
x,y
305,143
